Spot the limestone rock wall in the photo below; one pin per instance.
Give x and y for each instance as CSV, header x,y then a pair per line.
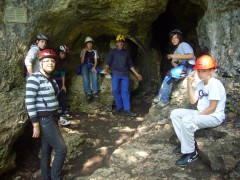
x,y
219,31
70,21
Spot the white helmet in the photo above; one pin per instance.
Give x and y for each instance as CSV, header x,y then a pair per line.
x,y
89,39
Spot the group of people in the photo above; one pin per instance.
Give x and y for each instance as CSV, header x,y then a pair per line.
x,y
209,95
46,90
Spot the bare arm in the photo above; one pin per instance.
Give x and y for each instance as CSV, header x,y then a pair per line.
x,y
83,55
176,56
36,130
63,83
139,77
211,108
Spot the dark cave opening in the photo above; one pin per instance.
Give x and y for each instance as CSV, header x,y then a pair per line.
x,y
178,15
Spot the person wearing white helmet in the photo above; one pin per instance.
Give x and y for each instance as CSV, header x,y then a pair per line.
x,y
31,60
89,62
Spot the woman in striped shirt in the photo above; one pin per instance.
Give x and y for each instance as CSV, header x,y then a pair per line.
x,y
42,105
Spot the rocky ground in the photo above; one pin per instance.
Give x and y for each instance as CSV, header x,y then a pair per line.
x,y
108,146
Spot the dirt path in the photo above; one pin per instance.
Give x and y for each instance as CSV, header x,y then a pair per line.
x,y
100,128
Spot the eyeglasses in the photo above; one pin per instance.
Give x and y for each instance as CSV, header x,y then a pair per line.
x,y
202,94
49,61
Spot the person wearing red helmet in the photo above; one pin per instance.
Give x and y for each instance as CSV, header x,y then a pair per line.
x,y
42,107
182,60
59,74
31,60
210,97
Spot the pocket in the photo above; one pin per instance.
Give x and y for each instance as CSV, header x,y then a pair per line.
x,y
48,121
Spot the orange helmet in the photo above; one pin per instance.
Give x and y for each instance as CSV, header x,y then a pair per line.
x,y
205,62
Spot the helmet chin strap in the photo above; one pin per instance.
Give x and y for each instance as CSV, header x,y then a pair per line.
x,y
44,72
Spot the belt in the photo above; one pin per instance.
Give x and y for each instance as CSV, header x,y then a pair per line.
x,y
54,117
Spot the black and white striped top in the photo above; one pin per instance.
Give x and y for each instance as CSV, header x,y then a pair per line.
x,y
40,99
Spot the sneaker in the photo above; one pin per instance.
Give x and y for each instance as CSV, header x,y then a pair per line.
x,y
161,105
95,95
187,159
130,114
64,122
156,100
88,96
177,150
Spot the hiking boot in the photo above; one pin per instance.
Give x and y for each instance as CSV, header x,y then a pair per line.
x,y
187,159
88,96
156,100
95,95
177,150
130,114
161,105
64,121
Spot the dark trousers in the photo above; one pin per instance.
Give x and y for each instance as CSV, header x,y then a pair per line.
x,y
62,97
51,139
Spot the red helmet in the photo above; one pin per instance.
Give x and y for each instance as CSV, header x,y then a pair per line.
x,y
47,53
64,48
205,62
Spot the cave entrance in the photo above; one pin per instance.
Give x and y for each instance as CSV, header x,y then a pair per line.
x,y
183,15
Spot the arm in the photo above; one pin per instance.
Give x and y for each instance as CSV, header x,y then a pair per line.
x,y
139,77
30,101
95,61
31,57
179,56
63,84
83,55
29,69
108,62
211,108
174,64
190,78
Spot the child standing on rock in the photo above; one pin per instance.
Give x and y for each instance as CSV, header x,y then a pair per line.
x,y
210,97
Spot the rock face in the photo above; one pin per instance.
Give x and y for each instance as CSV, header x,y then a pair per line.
x,y
148,155
210,24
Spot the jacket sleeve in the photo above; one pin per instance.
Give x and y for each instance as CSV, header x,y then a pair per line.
x,y
31,56
32,88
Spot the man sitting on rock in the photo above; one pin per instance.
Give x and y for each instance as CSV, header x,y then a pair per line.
x,y
210,97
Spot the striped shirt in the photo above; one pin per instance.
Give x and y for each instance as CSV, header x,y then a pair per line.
x,y
40,97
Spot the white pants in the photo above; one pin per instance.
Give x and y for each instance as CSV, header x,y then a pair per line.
x,y
186,122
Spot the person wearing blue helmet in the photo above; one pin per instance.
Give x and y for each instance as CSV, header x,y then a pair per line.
x,y
182,60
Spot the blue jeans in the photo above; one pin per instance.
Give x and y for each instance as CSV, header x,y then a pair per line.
x,y
86,71
165,91
177,73
120,89
51,139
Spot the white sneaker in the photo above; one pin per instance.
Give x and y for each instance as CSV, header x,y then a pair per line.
x,y
64,122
